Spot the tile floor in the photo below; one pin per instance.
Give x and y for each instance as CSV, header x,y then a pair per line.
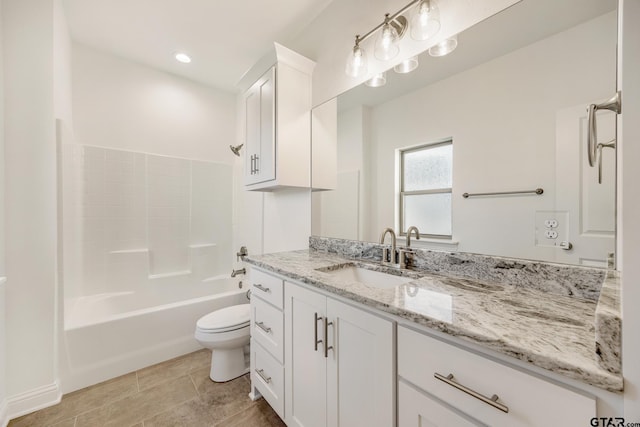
x,y
177,392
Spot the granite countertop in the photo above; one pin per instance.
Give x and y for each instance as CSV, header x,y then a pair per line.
x,y
554,332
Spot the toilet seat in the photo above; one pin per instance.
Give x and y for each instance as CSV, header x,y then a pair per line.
x,y
226,319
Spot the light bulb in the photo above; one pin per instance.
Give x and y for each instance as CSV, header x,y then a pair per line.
x,y
377,80
425,20
406,66
445,47
387,43
356,61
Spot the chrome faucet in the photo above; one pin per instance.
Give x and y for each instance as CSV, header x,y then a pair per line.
x,y
405,254
386,257
234,273
409,231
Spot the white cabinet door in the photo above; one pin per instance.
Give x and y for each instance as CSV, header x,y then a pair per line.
x,y
305,365
360,373
416,409
259,102
350,383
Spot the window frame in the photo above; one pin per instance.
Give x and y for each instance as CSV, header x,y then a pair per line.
x,y
402,193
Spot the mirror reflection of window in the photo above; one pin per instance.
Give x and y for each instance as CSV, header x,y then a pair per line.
x,y
425,188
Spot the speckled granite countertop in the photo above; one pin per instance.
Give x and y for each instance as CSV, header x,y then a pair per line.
x,y
554,332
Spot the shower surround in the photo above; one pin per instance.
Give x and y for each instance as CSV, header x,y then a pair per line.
x,y
151,232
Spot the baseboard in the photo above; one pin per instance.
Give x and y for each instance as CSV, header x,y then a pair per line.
x,y
33,400
4,413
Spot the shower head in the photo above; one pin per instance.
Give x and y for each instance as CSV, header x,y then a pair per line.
x,y
236,149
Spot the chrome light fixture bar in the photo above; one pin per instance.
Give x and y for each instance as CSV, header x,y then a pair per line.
x,y
425,23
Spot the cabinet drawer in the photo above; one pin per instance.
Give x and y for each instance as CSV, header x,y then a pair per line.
x,y
416,409
267,287
530,400
267,375
267,327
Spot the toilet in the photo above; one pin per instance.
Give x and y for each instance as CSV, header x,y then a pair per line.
x,y
226,333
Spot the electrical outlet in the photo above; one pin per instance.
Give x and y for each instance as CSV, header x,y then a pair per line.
x,y
551,234
551,228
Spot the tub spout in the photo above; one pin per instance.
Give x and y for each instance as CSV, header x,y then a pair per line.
x,y
234,273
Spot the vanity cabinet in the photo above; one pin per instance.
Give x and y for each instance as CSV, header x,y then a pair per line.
x,y
267,339
339,363
277,123
522,399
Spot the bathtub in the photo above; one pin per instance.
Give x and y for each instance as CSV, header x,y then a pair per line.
x,y
108,335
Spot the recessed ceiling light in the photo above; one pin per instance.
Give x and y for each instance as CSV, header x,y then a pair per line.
x,y
183,57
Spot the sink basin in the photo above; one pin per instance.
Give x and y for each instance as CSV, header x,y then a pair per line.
x,y
376,279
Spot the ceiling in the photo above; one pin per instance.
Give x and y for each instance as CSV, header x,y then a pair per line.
x,y
224,38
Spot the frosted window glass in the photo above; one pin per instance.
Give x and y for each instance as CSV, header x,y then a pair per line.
x,y
428,169
431,213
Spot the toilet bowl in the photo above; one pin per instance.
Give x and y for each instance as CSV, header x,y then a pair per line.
x,y
226,333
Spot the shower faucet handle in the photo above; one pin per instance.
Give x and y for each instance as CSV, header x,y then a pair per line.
x,y
243,253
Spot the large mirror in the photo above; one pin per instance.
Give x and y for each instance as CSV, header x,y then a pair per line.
x,y
504,112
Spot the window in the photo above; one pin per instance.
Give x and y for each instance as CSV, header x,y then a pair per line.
x,y
425,189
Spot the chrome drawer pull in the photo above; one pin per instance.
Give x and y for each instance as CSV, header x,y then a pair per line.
x,y
493,400
262,288
263,376
264,328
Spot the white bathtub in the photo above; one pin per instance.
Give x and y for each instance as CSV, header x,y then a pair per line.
x,y
108,335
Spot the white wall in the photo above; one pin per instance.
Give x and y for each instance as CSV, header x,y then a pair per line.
x,y
30,201
3,345
61,65
344,212
510,145
123,105
629,201
269,222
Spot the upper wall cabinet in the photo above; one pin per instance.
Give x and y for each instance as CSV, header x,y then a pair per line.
x,y
277,122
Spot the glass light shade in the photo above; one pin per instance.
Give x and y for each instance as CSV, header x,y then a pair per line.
x,y
356,62
406,66
445,47
425,20
386,47
377,80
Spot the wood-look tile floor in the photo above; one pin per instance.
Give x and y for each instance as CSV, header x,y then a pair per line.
x,y
177,392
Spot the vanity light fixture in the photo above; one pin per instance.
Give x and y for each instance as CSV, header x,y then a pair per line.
x,y
183,57
425,23
406,66
445,47
425,20
357,61
378,80
386,47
